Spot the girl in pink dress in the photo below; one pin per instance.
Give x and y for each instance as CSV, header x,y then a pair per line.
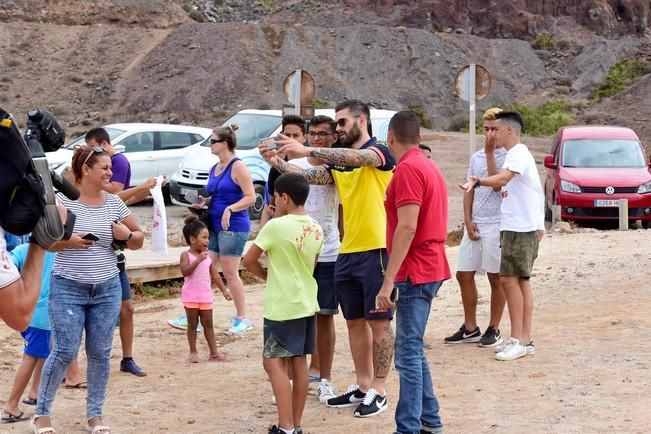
x,y
197,296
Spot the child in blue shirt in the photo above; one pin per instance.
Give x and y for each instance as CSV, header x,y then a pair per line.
x,y
37,340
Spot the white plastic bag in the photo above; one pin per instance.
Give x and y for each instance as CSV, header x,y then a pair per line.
x,y
159,223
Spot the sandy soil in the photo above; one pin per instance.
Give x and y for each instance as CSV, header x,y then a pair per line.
x,y
590,374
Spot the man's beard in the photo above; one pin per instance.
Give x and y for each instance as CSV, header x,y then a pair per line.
x,y
350,137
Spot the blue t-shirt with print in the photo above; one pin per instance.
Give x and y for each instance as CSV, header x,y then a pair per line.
x,y
18,255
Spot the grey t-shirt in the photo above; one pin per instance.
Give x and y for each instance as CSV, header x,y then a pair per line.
x,y
487,202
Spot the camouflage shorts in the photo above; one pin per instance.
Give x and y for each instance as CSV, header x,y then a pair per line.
x,y
294,337
519,251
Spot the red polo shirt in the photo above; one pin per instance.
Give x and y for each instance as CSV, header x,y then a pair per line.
x,y
418,181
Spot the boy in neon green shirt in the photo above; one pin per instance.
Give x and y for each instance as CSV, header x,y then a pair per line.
x,y
292,242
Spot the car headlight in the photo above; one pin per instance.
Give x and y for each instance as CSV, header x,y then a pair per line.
x,y
644,188
568,187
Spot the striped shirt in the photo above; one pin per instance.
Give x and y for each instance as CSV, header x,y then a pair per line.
x,y
96,264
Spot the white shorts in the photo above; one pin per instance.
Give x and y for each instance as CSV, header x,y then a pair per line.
x,y
484,254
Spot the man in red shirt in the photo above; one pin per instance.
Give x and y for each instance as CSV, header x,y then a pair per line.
x,y
416,206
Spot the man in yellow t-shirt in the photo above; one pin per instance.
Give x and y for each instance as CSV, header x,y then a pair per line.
x,y
361,170
293,241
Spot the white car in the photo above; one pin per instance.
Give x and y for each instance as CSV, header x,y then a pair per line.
x,y
192,174
152,149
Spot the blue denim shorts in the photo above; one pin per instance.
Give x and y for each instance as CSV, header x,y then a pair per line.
x,y
37,342
126,287
228,243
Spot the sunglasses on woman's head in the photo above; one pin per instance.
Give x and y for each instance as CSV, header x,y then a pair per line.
x,y
94,150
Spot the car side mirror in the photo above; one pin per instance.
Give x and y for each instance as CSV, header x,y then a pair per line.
x,y
549,162
119,148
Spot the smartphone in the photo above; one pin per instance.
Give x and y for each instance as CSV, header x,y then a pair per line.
x,y
269,142
90,236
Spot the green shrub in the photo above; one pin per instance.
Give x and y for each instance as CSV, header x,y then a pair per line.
x,y
265,6
543,42
545,119
424,120
619,77
319,103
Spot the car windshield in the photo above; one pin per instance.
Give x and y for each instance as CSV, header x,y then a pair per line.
x,y
112,132
602,153
252,128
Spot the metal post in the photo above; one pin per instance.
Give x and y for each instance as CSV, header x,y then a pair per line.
x,y
556,214
623,214
471,104
296,90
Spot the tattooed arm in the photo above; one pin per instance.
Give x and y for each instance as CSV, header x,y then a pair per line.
x,y
314,175
338,156
347,157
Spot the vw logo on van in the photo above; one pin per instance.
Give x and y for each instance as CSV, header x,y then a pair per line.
x,y
610,190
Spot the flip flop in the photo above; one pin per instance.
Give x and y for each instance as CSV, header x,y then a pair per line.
x,y
80,385
29,401
12,418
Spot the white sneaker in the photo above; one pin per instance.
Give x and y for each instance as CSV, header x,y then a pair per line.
x,y
325,390
512,352
531,348
500,348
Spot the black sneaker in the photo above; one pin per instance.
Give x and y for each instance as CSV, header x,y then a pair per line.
x,y
373,404
351,397
275,429
298,430
463,336
490,338
130,366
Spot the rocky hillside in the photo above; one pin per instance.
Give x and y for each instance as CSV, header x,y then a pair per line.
x,y
196,61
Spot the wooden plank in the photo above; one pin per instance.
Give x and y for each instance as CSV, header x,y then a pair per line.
x,y
145,266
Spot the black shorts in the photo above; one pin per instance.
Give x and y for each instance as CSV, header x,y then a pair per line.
x,y
358,279
293,337
324,274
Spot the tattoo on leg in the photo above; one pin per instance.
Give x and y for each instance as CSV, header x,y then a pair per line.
x,y
383,353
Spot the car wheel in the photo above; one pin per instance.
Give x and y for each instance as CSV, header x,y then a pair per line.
x,y
167,195
255,210
646,224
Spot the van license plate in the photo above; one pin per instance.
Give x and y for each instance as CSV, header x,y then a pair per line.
x,y
598,203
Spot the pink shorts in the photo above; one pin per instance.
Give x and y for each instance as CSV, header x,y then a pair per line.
x,y
200,306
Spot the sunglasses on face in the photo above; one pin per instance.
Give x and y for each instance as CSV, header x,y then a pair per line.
x,y
94,150
343,121
320,134
213,141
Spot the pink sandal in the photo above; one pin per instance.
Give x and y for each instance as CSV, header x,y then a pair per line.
x,y
193,358
217,357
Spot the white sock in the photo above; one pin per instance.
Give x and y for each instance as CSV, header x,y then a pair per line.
x,y
287,431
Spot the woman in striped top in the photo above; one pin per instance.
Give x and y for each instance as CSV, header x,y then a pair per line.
x,y
85,291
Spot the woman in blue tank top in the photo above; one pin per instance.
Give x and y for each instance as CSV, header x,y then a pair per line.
x,y
231,194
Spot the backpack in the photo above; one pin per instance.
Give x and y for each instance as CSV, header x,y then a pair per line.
x,y
22,194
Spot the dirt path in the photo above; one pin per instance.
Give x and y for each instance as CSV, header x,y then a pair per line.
x,y
590,375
